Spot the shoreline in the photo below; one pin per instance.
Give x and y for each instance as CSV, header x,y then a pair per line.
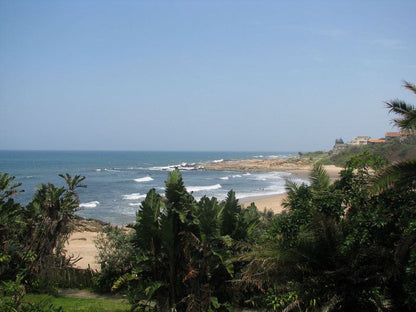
x,y
81,242
266,203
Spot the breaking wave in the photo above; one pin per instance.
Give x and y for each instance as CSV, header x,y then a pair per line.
x,y
203,188
135,204
182,166
144,179
92,204
134,196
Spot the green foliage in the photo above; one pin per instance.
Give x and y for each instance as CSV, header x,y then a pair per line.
x,y
114,253
32,237
391,151
278,297
12,225
403,174
407,112
69,304
338,246
179,253
230,214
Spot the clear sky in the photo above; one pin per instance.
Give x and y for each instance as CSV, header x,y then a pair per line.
x,y
201,75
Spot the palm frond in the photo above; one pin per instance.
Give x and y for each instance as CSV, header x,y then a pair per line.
x,y
408,122
7,187
319,178
402,174
407,112
399,107
410,86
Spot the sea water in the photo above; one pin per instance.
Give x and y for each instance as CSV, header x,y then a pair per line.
x,y
118,181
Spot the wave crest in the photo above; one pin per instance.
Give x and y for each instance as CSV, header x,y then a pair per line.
x,y
134,196
91,204
144,179
203,188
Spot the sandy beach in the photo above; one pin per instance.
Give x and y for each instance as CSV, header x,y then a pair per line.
x,y
82,242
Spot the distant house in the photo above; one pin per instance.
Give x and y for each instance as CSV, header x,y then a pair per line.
x,y
398,135
376,141
339,144
393,135
360,140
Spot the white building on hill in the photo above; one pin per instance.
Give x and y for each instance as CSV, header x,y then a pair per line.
x,y
360,140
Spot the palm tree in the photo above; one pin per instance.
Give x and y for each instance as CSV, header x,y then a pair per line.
x,y
407,112
162,234
402,174
180,260
12,224
49,216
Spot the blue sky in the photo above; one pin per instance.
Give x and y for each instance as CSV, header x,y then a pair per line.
x,y
201,75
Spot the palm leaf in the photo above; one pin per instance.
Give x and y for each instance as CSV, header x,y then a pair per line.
x,y
402,174
408,122
407,112
319,178
399,107
7,187
410,86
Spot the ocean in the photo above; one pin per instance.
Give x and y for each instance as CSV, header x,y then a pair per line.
x,y
118,181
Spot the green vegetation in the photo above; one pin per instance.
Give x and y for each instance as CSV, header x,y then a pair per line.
x,y
391,151
344,245
339,247
75,304
181,251
32,237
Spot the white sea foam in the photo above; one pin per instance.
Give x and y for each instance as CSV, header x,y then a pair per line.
x,y
231,176
92,204
181,166
203,188
121,169
258,194
163,168
273,157
144,179
134,196
270,176
218,160
134,204
112,169
280,156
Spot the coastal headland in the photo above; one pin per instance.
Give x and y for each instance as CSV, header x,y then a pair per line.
x,y
299,168
81,243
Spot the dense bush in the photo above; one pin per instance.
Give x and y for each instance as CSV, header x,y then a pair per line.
x,y
115,253
179,252
340,246
32,236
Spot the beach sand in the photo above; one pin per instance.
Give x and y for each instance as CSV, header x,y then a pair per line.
x,y
273,203
82,242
